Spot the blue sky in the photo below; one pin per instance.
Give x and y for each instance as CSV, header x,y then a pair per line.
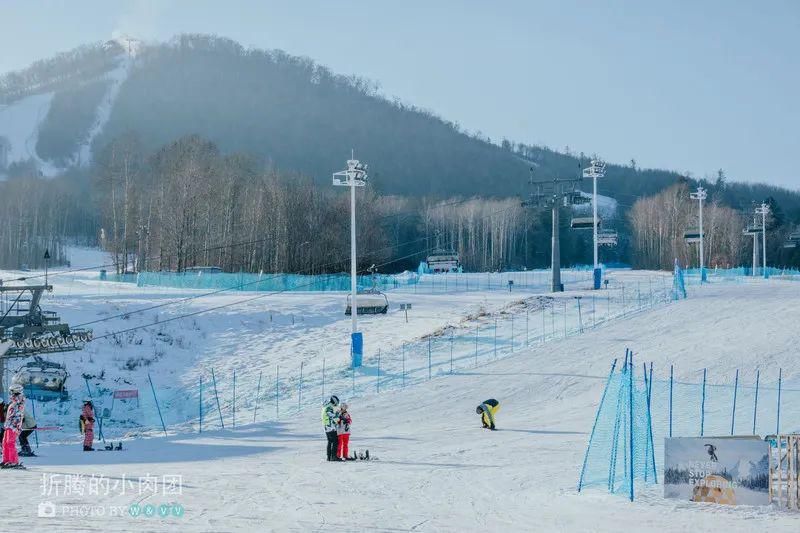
x,y
689,86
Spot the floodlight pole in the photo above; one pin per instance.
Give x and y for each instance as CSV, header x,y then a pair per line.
x,y
353,279
595,170
354,176
762,210
701,195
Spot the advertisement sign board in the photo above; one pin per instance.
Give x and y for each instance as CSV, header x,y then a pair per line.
x,y
723,470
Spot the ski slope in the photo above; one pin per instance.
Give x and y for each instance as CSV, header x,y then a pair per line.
x,y
437,470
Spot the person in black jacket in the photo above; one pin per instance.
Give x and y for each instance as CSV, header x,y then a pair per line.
x,y
3,408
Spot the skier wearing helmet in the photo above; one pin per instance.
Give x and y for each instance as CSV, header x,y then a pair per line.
x,y
329,420
343,430
488,409
86,423
13,426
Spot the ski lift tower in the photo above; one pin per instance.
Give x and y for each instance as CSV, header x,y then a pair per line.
x,y
597,169
355,175
763,210
700,195
554,194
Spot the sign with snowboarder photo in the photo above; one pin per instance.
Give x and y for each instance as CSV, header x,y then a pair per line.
x,y
722,470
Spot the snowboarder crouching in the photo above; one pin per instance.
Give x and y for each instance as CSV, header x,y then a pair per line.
x,y
343,430
28,426
329,424
87,424
13,425
488,409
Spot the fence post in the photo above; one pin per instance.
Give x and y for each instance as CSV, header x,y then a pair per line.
x,y
201,404
735,390
512,332
703,405
300,385
544,326
670,399
277,392
404,365
258,393
476,344
755,404
234,398
495,337
630,408
527,319
451,351
594,426
216,395
163,426
429,357
780,379
354,381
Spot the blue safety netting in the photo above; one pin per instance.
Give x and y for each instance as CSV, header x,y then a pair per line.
x,y
620,454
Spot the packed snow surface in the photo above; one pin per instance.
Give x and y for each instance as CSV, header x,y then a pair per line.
x,y
437,469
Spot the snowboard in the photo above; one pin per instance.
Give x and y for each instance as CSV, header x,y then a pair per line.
x,y
110,448
362,456
18,466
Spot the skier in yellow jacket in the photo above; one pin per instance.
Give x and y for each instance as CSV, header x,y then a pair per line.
x,y
488,409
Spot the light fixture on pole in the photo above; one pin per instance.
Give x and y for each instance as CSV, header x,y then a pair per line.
x,y
355,175
700,195
597,169
763,210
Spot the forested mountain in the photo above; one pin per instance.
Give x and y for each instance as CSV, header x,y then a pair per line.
x,y
202,127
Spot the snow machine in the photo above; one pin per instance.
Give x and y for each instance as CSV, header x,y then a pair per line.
x,y
370,302
42,380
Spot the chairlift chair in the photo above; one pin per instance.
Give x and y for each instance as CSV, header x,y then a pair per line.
x,y
607,237
752,229
443,261
692,235
370,302
42,380
584,222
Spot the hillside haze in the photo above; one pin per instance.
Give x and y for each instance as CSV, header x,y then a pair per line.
x,y
121,120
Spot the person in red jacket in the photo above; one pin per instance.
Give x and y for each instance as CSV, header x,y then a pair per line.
x,y
13,425
343,431
87,424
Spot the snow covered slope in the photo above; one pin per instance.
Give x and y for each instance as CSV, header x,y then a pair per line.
x,y
19,124
438,471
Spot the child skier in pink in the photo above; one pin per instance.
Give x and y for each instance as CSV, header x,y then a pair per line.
x,y
343,430
87,424
13,425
